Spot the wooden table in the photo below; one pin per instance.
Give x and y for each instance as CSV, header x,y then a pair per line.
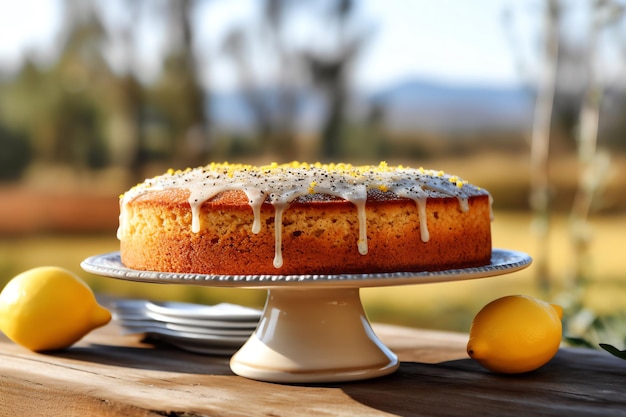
x,y
107,374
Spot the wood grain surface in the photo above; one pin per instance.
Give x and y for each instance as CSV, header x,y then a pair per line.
x,y
107,374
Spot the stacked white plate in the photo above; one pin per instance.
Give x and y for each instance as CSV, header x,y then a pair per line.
x,y
220,329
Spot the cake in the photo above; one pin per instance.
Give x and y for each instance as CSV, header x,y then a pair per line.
x,y
299,218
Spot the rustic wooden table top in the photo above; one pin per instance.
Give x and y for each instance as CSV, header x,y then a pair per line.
x,y
107,374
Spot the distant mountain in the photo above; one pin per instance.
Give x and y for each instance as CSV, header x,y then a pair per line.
x,y
423,105
407,106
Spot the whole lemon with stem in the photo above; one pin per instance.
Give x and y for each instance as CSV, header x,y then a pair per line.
x,y
49,308
515,334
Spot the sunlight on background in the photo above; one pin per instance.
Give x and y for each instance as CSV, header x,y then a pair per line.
x,y
96,96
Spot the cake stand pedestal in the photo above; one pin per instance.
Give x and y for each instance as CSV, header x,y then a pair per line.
x,y
313,327
313,336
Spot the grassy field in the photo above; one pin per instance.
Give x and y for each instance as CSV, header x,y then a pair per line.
x,y
449,306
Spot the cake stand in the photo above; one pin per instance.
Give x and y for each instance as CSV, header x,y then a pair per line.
x,y
313,327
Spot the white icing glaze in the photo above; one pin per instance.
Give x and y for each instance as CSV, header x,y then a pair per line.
x,y
281,184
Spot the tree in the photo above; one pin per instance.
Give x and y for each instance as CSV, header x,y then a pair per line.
x,y
179,94
61,108
299,70
330,71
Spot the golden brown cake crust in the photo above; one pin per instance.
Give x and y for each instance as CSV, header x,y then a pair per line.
x,y
319,234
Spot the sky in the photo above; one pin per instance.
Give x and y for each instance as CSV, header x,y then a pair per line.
x,y
21,28
448,41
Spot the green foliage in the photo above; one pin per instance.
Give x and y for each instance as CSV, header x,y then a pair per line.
x,y
583,328
15,156
614,351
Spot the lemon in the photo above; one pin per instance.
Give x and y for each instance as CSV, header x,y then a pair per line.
x,y
49,308
515,334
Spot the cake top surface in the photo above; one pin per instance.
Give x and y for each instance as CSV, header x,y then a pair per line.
x,y
282,183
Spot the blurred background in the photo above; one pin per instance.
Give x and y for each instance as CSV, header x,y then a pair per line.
x,y
526,99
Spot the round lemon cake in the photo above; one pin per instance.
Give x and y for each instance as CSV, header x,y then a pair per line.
x,y
298,218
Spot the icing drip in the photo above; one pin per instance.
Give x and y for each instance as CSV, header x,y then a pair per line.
x,y
362,243
256,197
198,195
278,234
464,204
281,184
421,208
409,189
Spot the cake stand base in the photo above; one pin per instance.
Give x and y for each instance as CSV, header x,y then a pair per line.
x,y
313,335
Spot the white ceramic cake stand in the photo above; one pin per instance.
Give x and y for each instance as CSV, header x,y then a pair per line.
x,y
313,328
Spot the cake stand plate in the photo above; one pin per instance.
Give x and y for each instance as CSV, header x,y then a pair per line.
x,y
313,328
